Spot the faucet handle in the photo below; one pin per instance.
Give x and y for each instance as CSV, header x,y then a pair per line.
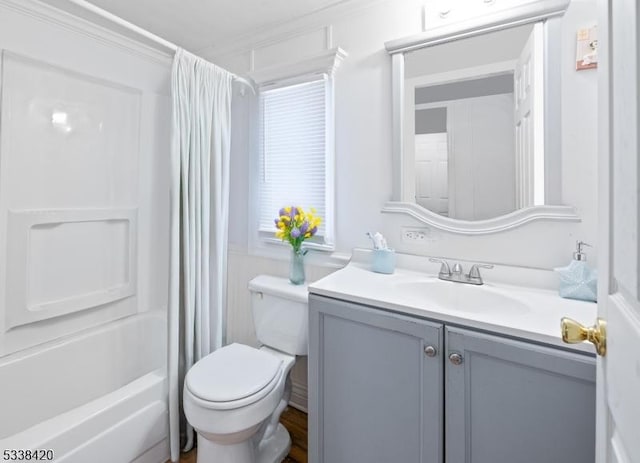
x,y
474,273
444,268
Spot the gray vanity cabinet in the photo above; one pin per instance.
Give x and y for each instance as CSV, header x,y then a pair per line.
x,y
375,385
508,401
391,388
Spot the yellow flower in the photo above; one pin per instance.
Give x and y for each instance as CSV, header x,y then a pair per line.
x,y
297,228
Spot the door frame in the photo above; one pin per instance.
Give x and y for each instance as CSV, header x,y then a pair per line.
x,y
604,215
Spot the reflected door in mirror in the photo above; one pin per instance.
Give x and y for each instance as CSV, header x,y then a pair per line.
x,y
474,139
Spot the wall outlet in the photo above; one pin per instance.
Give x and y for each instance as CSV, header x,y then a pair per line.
x,y
416,235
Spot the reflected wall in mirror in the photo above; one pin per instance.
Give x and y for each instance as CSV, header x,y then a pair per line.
x,y
474,124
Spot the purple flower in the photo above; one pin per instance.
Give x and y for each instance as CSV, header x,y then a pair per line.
x,y
282,212
276,221
295,233
313,231
294,212
304,227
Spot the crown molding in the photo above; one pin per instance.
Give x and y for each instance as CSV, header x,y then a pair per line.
x,y
323,63
81,21
502,223
287,29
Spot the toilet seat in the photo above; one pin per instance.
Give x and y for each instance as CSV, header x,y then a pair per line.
x,y
233,376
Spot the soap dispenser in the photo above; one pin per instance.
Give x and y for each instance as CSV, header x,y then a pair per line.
x,y
578,280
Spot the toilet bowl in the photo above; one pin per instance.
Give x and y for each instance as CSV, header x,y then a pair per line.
x,y
234,396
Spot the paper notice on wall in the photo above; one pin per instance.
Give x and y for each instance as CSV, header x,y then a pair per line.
x,y
587,48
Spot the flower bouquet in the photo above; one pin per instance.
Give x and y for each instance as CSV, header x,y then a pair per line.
x,y
295,226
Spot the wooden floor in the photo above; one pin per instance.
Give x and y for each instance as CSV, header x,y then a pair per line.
x,y
296,423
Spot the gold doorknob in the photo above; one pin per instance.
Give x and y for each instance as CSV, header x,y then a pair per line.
x,y
573,333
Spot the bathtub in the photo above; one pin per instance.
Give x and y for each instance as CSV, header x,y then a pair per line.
x,y
100,396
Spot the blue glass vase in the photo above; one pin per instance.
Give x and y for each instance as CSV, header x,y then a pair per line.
x,y
296,269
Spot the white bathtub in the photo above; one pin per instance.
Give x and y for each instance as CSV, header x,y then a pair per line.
x,y
100,396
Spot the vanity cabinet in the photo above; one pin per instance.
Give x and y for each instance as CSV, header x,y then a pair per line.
x,y
386,387
375,385
510,401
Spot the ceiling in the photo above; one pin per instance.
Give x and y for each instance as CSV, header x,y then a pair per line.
x,y
198,24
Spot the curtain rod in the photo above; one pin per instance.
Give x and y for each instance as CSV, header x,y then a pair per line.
x,y
171,47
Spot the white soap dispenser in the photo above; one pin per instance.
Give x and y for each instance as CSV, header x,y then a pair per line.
x,y
578,280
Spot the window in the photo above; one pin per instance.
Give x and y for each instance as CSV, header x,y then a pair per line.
x,y
295,147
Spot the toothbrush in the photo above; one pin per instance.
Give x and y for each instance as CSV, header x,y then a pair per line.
x,y
379,242
371,237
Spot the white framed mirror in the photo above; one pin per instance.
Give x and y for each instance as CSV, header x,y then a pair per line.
x,y
477,120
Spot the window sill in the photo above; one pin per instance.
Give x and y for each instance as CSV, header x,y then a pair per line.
x,y
322,255
306,245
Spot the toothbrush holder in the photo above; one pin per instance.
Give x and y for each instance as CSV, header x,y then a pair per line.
x,y
384,261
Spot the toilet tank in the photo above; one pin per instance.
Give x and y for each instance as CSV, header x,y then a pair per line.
x,y
280,314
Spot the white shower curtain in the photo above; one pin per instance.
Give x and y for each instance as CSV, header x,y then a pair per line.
x,y
200,145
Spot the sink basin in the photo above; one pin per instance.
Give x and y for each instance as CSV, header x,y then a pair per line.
x,y
461,297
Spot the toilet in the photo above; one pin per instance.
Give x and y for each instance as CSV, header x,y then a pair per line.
x,y
234,396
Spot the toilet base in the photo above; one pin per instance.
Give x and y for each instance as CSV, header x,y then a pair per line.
x,y
277,447
272,450
212,452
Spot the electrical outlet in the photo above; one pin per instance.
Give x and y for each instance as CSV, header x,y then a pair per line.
x,y
416,235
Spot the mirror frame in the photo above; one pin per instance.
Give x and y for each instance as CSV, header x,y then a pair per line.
x,y
549,11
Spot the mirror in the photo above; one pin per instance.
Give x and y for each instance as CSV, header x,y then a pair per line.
x,y
474,122
477,131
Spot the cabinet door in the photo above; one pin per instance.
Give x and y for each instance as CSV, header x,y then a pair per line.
x,y
514,402
375,393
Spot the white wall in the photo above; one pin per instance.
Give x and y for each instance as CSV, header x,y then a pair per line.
x,y
363,126
363,142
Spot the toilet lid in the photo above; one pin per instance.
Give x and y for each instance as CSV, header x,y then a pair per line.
x,y
232,373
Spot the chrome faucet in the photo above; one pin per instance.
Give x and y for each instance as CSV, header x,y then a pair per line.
x,y
457,275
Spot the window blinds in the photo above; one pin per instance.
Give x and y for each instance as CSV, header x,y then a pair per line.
x,y
293,151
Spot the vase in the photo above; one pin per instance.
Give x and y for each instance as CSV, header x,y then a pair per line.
x,y
296,269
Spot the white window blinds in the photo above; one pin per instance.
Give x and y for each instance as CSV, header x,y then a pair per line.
x,y
293,152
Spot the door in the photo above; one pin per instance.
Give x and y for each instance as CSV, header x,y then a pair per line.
x,y
432,172
375,385
529,123
618,436
511,401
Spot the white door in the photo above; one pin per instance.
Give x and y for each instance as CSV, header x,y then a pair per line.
x,y
529,124
432,178
618,422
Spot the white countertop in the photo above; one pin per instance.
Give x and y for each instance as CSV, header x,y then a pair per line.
x,y
539,323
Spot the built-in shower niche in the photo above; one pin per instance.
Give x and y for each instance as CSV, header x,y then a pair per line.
x,y
68,260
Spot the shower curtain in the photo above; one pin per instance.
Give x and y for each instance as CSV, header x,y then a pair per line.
x,y
200,145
